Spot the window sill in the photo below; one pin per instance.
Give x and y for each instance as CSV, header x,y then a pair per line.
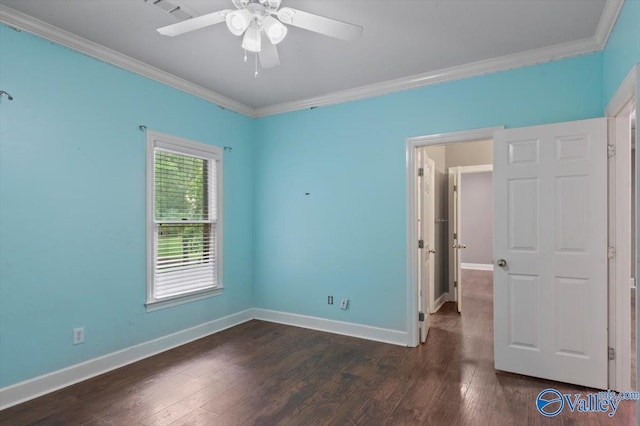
x,y
155,305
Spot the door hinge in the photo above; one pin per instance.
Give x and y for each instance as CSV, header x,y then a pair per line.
x,y
611,150
421,171
455,284
455,235
612,353
420,243
455,188
611,252
421,316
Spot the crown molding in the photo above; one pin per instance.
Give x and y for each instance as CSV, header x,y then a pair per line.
x,y
598,42
473,69
607,21
610,13
458,72
22,21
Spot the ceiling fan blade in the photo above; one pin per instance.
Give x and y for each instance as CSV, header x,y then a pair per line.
x,y
269,55
319,24
194,23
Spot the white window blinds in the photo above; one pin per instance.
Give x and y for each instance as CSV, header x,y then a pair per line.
x,y
185,222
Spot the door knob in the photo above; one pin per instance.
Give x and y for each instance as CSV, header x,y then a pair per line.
x,y
502,263
432,251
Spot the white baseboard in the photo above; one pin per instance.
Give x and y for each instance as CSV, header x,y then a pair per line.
x,y
478,266
439,302
377,334
450,296
50,382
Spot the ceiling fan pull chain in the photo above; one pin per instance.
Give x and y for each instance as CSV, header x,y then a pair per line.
x,y
256,74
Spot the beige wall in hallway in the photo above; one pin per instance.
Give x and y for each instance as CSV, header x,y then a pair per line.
x,y
469,153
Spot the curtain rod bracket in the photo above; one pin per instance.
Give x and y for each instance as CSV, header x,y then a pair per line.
x,y
142,128
228,148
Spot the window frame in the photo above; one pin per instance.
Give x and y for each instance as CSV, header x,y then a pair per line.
x,y
196,149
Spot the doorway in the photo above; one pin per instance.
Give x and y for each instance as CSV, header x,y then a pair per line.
x,y
623,271
436,284
531,158
471,217
623,187
454,219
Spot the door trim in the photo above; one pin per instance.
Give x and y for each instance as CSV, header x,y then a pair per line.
x,y
412,241
617,111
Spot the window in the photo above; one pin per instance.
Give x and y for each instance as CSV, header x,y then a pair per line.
x,y
184,220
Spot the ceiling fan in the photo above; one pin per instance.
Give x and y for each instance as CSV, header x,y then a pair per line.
x,y
256,19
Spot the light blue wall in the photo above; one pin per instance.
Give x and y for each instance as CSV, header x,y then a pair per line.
x,y
347,238
72,192
623,48
72,205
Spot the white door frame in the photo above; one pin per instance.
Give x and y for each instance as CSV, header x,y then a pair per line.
x,y
481,168
412,240
618,110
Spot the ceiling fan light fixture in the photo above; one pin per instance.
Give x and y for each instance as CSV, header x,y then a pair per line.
x,y
252,40
263,25
240,4
274,4
238,21
274,29
286,15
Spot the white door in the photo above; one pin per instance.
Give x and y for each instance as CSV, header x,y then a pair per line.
x,y
426,212
455,259
550,248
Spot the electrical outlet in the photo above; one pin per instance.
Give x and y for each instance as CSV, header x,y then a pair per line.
x,y
78,335
330,300
344,303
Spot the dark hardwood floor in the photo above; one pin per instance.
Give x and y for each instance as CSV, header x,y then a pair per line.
x,y
262,373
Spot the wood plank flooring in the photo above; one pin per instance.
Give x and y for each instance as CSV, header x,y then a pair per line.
x,y
267,374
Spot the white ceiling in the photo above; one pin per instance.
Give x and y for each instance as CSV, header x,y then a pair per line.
x,y
401,38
